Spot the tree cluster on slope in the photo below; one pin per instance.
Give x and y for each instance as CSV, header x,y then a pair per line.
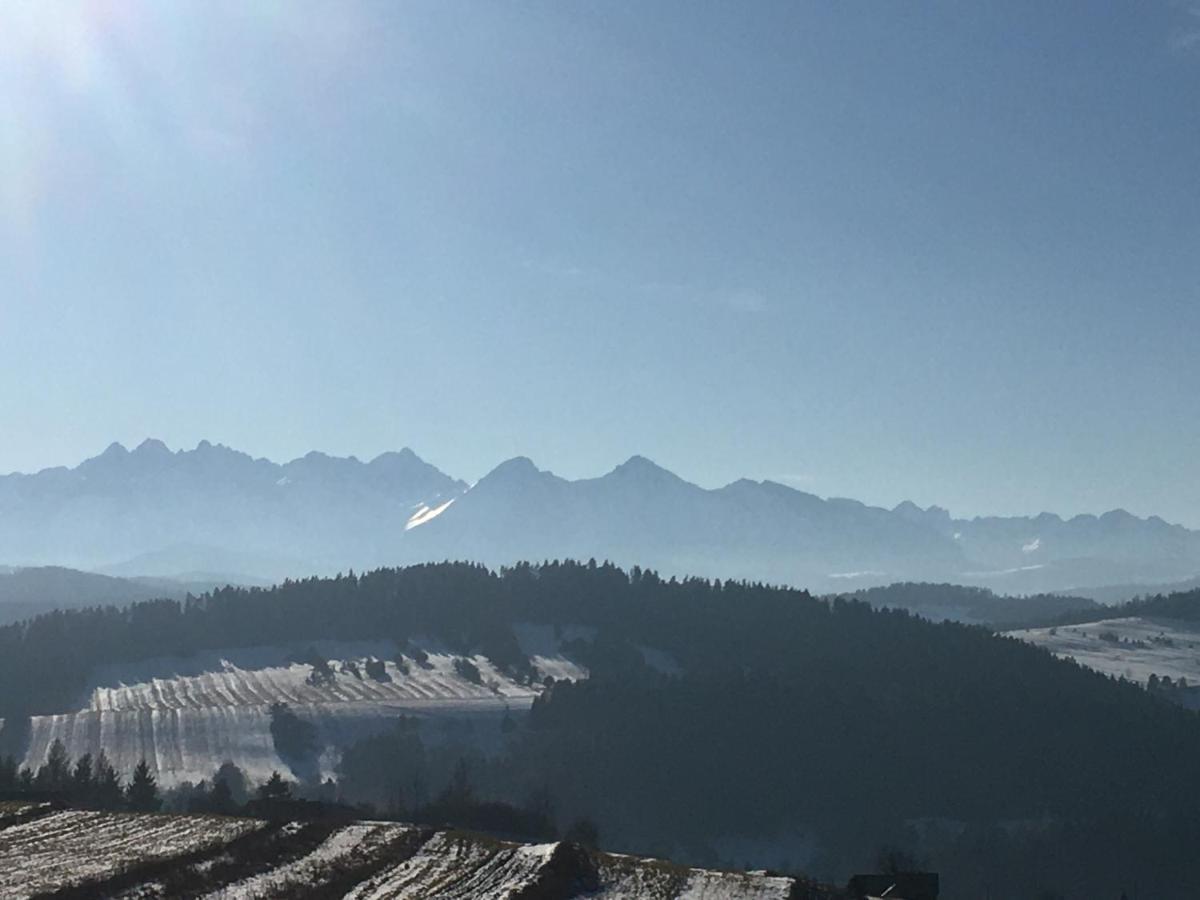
x,y
88,782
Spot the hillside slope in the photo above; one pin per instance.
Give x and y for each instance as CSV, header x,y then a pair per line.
x,y
1133,647
27,591
187,716
95,854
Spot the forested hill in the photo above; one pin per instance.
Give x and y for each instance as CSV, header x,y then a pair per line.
x,y
760,713
974,605
1181,605
27,591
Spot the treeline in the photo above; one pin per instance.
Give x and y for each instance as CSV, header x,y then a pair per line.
x,y
88,782
388,775
92,782
975,604
1182,605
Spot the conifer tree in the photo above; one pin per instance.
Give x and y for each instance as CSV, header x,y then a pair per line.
x,y
234,780
142,793
82,778
55,773
275,788
106,784
220,798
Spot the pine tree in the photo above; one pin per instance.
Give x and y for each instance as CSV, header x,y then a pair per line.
x,y
234,780
8,773
82,778
142,793
275,788
106,784
55,773
220,798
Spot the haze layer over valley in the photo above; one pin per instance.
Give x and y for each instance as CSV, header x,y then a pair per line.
x,y
214,514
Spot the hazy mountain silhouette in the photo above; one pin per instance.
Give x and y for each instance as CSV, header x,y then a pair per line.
x,y
25,592
212,510
215,509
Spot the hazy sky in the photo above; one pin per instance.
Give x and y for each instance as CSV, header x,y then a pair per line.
x,y
927,251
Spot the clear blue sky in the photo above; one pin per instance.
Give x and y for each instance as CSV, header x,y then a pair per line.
x,y
932,251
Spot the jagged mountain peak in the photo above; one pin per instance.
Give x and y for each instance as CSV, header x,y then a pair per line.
x,y
323,513
642,469
404,458
515,468
152,447
404,453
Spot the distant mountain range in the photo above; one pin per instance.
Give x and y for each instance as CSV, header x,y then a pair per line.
x,y
215,514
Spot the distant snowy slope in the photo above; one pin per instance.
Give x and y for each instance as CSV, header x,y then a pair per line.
x,y
1133,647
186,716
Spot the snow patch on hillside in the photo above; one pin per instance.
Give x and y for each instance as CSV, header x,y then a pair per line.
x,y
1133,648
361,840
705,885
456,867
426,514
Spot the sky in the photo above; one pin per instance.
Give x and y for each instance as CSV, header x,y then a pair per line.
x,y
942,252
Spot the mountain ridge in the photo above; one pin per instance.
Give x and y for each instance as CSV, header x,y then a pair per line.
x,y
215,508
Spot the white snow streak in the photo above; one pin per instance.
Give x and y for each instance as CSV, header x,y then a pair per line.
x,y
427,514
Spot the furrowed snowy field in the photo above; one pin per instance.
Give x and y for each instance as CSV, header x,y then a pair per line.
x,y
1134,648
72,846
145,856
186,716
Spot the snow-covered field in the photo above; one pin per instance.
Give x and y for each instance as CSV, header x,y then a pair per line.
x,y
632,878
68,847
186,716
458,867
1133,648
353,845
137,856
261,676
